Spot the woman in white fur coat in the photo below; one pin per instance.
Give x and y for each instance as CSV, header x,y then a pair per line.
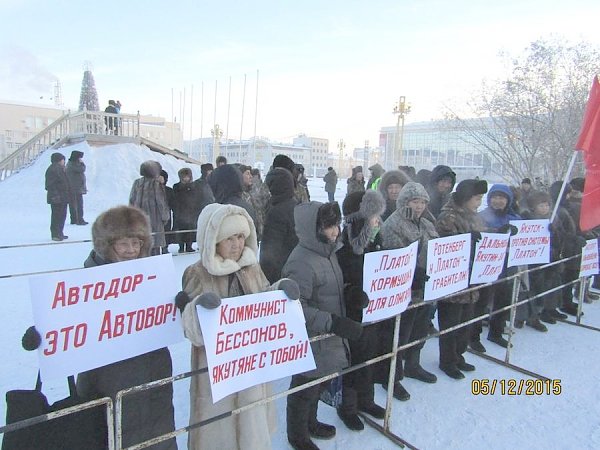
x,y
228,267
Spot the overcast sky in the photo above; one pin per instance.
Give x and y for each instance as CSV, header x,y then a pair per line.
x,y
327,68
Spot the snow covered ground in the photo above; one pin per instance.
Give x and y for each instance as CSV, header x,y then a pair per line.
x,y
445,415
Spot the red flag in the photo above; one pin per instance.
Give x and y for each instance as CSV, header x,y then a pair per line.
x,y
589,142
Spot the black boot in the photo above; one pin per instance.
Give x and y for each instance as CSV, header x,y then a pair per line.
x,y
399,392
465,366
498,339
477,346
188,248
320,430
537,325
556,314
373,410
452,372
570,308
545,316
181,248
352,421
305,444
418,373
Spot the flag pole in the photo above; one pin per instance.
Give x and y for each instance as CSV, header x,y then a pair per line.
x,y
564,184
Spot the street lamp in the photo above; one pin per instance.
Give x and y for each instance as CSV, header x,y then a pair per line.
x,y
401,109
217,134
341,147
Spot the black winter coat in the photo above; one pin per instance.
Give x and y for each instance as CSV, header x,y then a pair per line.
x,y
144,415
57,184
186,206
227,187
279,235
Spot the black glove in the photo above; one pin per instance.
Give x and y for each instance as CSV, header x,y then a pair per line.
x,y
290,287
209,300
31,340
475,236
182,299
419,278
508,227
550,227
580,241
357,297
345,328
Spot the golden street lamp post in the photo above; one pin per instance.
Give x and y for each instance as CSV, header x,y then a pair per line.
x,y
401,109
217,134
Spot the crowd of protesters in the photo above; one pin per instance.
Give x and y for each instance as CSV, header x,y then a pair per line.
x,y
315,252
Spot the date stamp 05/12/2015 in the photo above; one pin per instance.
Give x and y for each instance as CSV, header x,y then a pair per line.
x,y
511,386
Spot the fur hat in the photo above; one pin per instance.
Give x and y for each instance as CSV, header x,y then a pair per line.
x,y
526,181
285,162
357,169
165,175
467,189
56,157
186,171
205,168
231,225
578,184
221,160
150,169
411,191
75,155
537,197
120,222
363,204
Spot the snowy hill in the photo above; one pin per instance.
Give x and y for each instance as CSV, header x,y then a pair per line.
x,y
445,415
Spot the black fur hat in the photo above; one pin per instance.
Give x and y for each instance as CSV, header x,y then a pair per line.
x,y
75,155
56,157
329,215
117,223
467,189
285,162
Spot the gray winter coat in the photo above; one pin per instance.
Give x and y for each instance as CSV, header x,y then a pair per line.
x,y
314,266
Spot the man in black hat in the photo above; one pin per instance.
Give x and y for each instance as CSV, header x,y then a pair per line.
x,y
58,196
76,177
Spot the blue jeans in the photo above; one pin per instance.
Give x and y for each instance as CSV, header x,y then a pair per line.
x,y
330,196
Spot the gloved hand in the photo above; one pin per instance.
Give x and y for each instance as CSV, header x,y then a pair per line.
x,y
290,287
508,227
182,299
420,278
31,340
345,328
550,227
209,300
357,297
475,236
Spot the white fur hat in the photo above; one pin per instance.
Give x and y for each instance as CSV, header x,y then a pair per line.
x,y
231,225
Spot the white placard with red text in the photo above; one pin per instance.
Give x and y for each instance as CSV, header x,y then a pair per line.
x,y
252,339
92,317
490,253
387,280
531,245
589,259
447,265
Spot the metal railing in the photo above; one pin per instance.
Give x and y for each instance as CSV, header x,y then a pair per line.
x,y
114,418
70,125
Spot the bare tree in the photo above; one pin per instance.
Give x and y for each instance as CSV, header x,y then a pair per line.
x,y
530,120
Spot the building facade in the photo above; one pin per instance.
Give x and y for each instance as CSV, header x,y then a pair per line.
x,y
428,144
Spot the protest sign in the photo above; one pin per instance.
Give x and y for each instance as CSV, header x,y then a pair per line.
x,y
387,280
490,253
252,339
531,245
589,259
447,265
92,317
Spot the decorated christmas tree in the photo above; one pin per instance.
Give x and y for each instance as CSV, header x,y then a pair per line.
x,y
88,98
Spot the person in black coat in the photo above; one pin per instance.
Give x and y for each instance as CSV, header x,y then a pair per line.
x,y
441,183
76,177
169,238
186,209
112,125
227,186
58,195
362,212
279,235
